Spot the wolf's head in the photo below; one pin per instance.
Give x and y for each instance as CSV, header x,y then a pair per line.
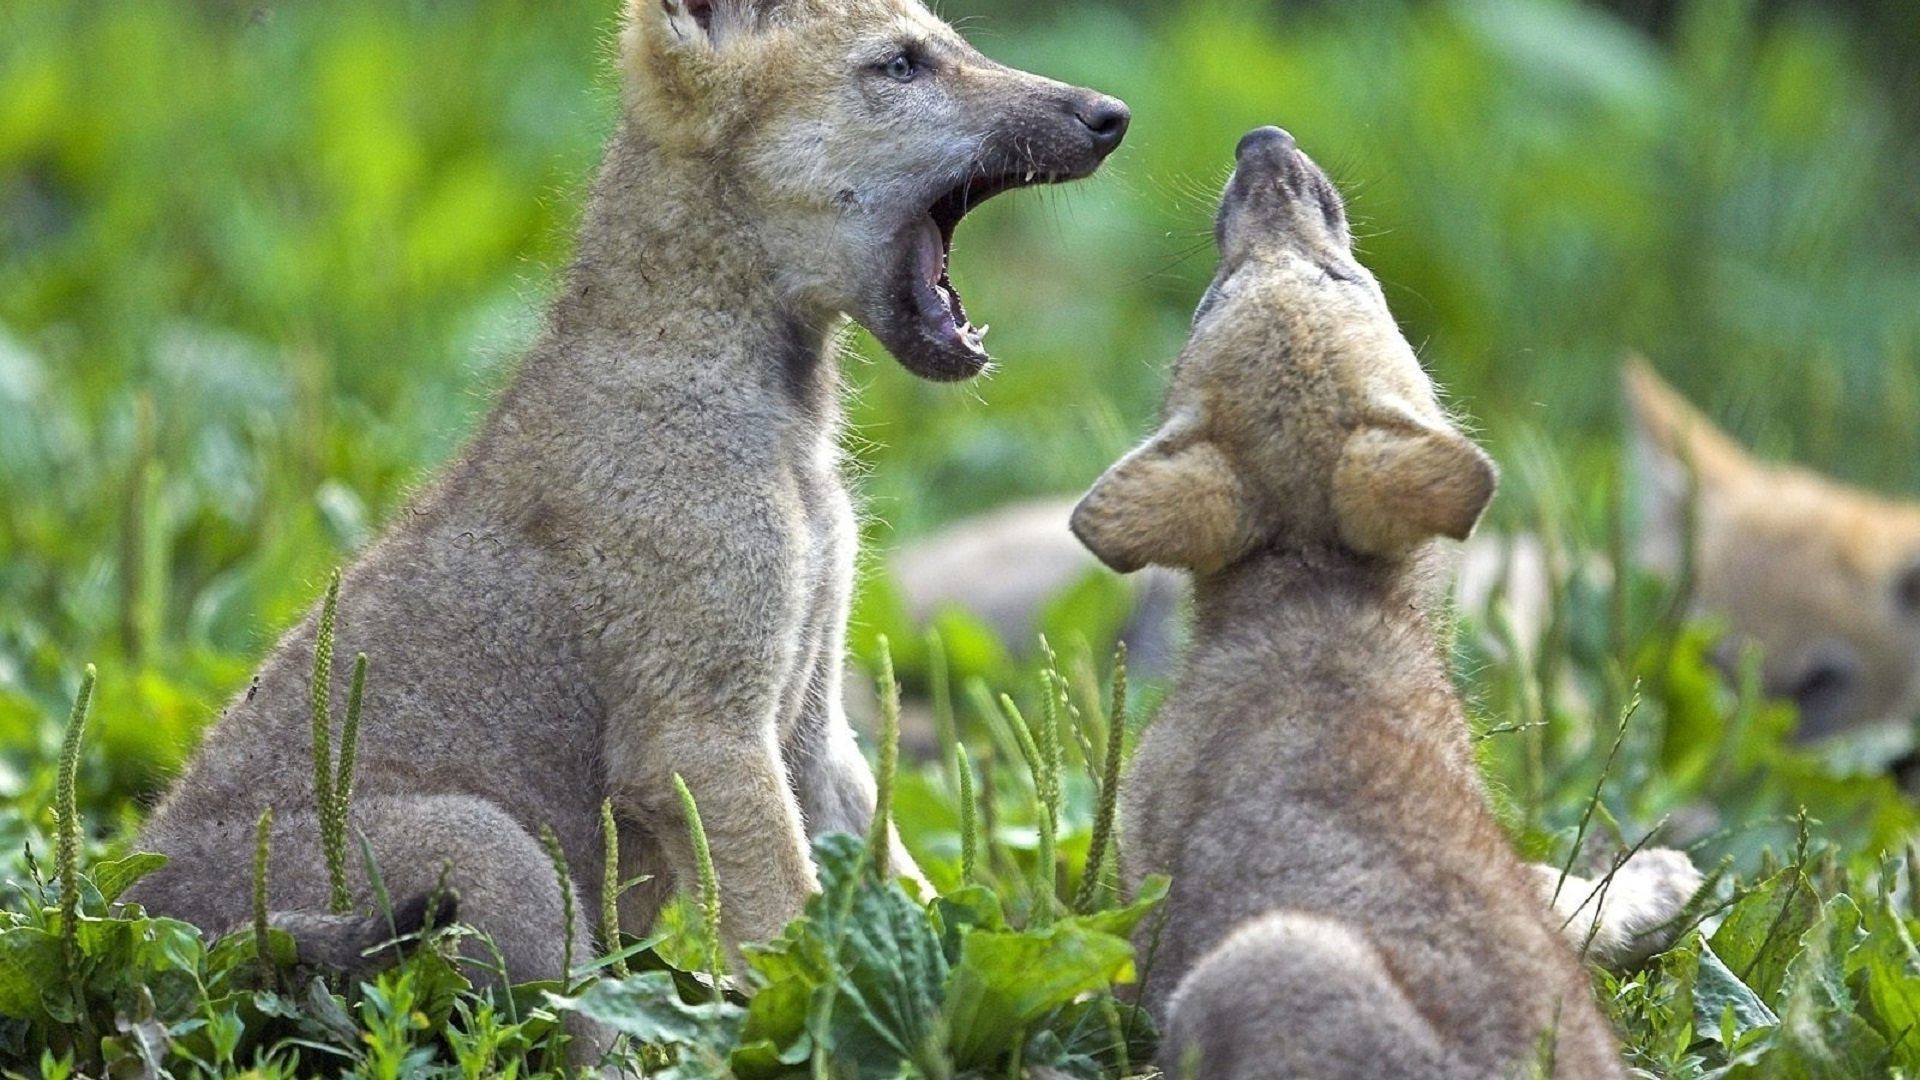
x,y
1298,417
1824,579
853,135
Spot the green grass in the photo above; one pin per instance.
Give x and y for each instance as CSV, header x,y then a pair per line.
x,y
259,274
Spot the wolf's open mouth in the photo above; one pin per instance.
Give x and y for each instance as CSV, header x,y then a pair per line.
x,y
936,304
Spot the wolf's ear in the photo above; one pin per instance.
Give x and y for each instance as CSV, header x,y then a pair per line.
x,y
1398,485
1176,501
1672,428
697,23
1678,458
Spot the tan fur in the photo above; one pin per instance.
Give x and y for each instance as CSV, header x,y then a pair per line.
x,y
641,565
1822,578
1344,903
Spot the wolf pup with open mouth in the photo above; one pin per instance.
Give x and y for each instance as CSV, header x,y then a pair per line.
x,y
1344,902
641,565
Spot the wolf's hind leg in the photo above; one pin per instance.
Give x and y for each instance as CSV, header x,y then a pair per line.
x,y
1632,919
498,880
1295,995
499,877
498,874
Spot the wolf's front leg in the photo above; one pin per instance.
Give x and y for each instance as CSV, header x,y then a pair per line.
x,y
752,822
836,786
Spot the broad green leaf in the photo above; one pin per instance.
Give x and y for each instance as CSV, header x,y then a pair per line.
x,y
972,908
1888,971
1121,921
1763,931
768,1040
29,962
1725,1008
648,1008
861,973
1006,980
114,877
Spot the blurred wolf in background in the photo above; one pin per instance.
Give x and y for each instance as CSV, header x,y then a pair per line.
x,y
1824,579
641,565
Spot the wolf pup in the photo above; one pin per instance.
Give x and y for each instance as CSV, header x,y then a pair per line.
x,y
1344,903
641,565
1824,578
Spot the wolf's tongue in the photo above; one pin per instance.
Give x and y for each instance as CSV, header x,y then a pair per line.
x,y
930,251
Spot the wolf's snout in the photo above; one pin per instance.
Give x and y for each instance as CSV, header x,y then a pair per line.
x,y
1107,119
1823,688
1266,143
1286,194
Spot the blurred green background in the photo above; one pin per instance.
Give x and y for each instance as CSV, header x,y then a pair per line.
x,y
261,266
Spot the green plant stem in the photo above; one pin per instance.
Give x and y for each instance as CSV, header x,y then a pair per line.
x,y
880,839
946,729
1109,786
969,817
610,888
709,880
1586,816
67,807
342,806
1038,762
322,706
564,878
261,839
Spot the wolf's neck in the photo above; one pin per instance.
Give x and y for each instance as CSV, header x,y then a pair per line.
x,y
1276,590
671,284
1328,633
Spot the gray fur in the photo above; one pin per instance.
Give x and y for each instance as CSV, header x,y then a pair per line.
x,y
641,565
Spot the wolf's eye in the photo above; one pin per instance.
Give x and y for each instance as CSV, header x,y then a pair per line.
x,y
903,68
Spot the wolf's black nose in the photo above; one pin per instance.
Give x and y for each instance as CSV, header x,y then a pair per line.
x,y
1107,118
1265,139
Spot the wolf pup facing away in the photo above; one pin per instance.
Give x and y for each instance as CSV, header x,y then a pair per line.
x,y
1344,903
641,565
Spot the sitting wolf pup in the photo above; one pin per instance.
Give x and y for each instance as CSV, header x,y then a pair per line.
x,y
1344,903
641,565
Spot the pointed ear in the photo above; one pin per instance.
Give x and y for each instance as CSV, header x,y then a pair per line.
x,y
1673,428
703,24
1401,485
1678,456
1175,501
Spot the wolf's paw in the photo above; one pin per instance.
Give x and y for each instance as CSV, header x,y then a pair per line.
x,y
1638,916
